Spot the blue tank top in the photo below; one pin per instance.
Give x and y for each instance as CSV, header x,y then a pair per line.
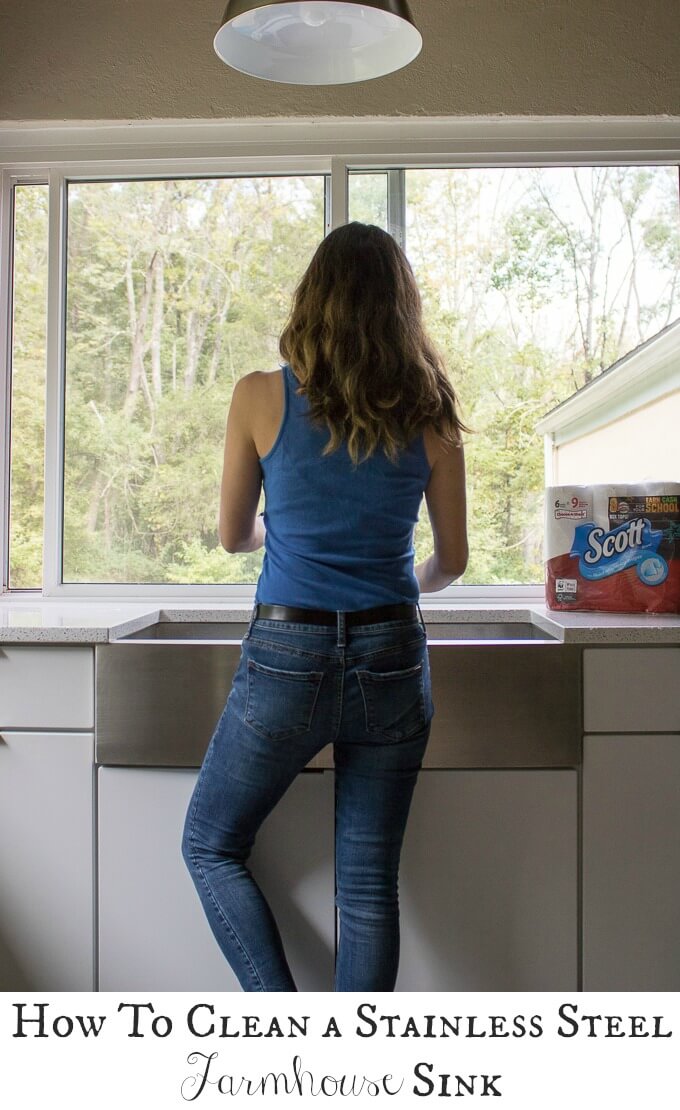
x,y
337,536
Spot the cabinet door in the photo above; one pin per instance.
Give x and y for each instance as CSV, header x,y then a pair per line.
x,y
46,861
631,689
488,883
631,857
153,934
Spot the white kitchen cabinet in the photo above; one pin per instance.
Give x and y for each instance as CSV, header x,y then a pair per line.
x,y
631,689
153,934
631,862
631,819
46,861
46,686
488,883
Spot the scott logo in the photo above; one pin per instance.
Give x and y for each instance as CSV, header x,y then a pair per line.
x,y
601,553
625,536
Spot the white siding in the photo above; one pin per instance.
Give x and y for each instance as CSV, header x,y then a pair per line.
x,y
635,448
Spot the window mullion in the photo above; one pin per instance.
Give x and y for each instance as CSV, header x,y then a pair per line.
x,y
327,202
338,209
54,399
396,206
5,364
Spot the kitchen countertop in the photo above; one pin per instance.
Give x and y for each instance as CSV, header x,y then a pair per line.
x,y
82,621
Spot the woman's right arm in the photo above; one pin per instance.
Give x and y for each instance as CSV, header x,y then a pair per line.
x,y
446,506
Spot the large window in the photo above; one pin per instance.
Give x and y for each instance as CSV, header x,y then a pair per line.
x,y
534,280
166,287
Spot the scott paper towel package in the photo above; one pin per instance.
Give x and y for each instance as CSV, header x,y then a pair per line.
x,y
615,548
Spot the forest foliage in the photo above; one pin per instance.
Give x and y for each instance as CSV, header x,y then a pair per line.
x,y
533,281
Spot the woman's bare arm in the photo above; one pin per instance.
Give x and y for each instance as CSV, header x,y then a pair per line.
x,y
447,509
239,528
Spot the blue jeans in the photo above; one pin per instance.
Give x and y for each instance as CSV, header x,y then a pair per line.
x,y
298,687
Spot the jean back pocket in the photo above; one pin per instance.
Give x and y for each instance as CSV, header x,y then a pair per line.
x,y
280,704
394,701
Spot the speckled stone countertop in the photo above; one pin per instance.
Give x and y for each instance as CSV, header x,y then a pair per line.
x,y
56,621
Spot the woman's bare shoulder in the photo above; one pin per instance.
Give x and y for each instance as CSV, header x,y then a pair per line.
x,y
263,407
435,448
256,377
257,384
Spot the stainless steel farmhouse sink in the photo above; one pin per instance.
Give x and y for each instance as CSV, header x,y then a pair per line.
x,y
501,699
232,632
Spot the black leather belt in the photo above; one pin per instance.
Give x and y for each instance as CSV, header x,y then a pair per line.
x,y
380,613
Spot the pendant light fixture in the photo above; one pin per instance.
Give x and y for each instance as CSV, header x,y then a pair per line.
x,y
317,42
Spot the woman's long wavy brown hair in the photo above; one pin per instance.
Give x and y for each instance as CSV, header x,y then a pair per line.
x,y
356,341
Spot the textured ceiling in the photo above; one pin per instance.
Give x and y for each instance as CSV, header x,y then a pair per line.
x,y
153,59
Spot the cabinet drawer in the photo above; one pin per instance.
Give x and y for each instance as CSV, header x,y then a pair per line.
x,y
46,687
631,689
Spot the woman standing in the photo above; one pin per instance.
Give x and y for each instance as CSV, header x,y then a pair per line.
x,y
336,649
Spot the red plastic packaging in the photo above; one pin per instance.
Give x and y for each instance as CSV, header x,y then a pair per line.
x,y
613,548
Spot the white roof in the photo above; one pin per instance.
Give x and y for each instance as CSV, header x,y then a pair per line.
x,y
651,371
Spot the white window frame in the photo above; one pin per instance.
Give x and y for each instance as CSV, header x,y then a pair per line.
x,y
59,153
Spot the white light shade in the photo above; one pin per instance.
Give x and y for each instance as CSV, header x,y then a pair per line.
x,y
317,42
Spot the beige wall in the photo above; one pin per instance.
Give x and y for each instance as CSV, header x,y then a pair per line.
x,y
153,59
638,447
